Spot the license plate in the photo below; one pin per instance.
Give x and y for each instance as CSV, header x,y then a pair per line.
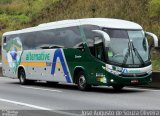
x,y
134,81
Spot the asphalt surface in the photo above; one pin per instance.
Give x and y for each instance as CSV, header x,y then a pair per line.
x,y
61,99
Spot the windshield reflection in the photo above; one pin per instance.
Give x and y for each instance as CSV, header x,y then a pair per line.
x,y
127,47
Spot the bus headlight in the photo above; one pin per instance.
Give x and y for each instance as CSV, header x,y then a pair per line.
x,y
112,80
113,69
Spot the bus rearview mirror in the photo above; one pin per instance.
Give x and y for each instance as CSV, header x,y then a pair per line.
x,y
105,36
155,38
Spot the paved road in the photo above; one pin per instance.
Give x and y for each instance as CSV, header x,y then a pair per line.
x,y
55,98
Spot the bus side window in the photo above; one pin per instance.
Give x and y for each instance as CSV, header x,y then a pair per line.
x,y
4,41
93,40
99,48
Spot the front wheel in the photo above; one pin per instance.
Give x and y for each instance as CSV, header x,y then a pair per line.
x,y
82,83
118,87
22,77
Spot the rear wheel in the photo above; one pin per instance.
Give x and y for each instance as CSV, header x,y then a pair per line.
x,y
118,87
22,77
82,83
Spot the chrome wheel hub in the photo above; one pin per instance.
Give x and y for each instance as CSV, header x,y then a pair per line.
x,y
82,81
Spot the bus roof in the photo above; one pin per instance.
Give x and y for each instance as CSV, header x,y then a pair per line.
x,y
102,22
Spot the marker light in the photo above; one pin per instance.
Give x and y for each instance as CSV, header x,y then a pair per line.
x,y
112,80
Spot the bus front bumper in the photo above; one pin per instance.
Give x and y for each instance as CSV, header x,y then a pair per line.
x,y
112,80
128,81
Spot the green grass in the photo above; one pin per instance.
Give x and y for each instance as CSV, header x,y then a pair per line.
x,y
14,18
5,1
156,60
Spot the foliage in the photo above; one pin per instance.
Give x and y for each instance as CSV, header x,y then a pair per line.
x,y
156,60
154,8
18,14
5,1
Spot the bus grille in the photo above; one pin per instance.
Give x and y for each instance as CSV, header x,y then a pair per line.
x,y
133,74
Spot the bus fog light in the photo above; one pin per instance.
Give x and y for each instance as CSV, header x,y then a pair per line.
x,y
102,79
112,80
151,79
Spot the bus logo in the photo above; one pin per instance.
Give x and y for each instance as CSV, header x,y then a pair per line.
x,y
124,70
58,54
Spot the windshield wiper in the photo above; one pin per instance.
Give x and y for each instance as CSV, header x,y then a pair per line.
x,y
127,54
138,55
130,48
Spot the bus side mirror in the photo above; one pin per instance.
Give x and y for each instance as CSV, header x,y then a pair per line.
x,y
155,38
105,36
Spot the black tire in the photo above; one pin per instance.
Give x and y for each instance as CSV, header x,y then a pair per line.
x,y
118,87
22,77
81,81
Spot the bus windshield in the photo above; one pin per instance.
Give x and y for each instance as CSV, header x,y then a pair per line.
x,y
127,47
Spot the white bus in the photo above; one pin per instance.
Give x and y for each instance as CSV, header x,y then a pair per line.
x,y
87,52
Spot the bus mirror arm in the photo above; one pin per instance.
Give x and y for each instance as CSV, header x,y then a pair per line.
x,y
155,38
105,36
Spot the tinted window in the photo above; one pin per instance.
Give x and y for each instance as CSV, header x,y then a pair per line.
x,y
89,34
92,37
6,41
55,38
113,33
